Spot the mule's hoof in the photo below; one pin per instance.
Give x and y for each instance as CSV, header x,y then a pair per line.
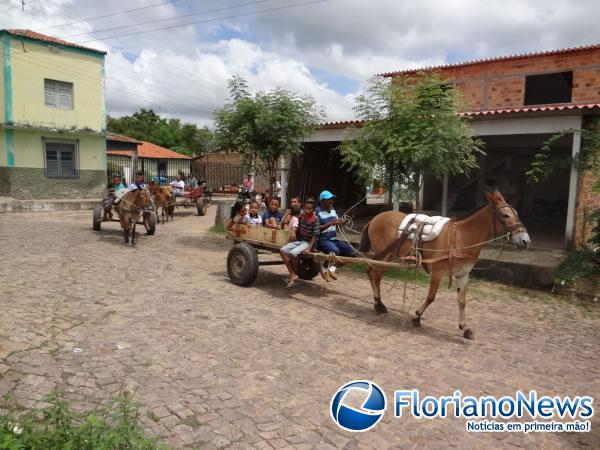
x,y
468,334
380,308
416,321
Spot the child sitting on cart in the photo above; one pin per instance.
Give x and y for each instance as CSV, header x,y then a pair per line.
x,y
236,217
272,217
253,218
302,239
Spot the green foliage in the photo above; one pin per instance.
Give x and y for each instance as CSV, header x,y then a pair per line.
x,y
265,126
146,125
58,426
411,128
578,265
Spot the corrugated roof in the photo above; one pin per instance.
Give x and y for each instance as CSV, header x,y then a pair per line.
x,y
494,59
121,138
528,109
340,124
579,107
51,40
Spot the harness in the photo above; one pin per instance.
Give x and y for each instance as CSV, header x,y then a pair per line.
x,y
452,254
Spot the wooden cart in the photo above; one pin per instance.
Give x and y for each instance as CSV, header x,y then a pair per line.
x,y
108,213
250,243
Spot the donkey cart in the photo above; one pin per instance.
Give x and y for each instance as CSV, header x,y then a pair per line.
x,y
243,259
200,197
108,212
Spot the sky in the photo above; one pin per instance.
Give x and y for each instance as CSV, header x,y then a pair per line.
x,y
176,56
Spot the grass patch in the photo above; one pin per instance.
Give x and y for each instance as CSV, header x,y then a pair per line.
x,y
217,229
59,426
578,265
407,274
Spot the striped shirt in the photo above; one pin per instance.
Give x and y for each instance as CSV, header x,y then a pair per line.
x,y
326,217
308,226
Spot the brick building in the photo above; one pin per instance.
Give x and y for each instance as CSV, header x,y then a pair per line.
x,y
514,104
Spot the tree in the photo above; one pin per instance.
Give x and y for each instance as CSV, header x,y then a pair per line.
x,y
171,133
411,128
266,126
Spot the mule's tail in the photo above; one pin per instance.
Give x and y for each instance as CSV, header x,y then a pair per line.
x,y
365,242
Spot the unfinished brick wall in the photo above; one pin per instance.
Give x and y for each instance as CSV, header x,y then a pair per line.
x,y
587,202
501,84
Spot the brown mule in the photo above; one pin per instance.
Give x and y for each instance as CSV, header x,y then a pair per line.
x,y
131,207
164,199
454,252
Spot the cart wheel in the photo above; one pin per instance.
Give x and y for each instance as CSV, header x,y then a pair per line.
x,y
97,218
151,223
201,206
242,264
308,268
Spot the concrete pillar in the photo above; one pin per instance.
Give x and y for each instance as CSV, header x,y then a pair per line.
x,y
445,196
572,202
284,164
395,199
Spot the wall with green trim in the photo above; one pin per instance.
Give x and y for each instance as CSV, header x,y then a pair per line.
x,y
2,106
29,149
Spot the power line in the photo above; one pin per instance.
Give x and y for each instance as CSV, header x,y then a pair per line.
x,y
170,27
239,5
90,19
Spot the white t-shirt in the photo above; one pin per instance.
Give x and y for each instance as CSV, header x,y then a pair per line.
x,y
178,185
294,223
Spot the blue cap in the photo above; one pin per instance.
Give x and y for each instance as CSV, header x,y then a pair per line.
x,y
326,195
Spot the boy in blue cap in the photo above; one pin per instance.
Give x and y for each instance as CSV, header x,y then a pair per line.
x,y
328,241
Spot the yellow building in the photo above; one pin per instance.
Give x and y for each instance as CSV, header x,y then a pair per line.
x,y
52,118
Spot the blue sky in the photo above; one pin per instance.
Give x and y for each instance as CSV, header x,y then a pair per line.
x,y
326,49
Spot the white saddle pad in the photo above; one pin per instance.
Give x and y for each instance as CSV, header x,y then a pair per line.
x,y
432,229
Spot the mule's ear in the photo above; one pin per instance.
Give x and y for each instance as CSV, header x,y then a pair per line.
x,y
489,196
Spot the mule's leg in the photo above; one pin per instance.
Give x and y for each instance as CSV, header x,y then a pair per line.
x,y
375,279
126,234
434,284
134,223
461,291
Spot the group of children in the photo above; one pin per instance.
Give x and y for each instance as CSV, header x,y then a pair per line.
x,y
310,228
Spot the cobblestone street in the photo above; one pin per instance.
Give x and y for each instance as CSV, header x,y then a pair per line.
x,y
218,366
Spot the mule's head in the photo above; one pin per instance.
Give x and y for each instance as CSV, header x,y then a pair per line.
x,y
506,220
144,197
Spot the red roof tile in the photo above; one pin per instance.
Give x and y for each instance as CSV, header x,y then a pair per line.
x,y
150,150
494,59
128,153
121,138
52,40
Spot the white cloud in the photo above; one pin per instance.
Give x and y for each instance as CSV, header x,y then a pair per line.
x,y
183,72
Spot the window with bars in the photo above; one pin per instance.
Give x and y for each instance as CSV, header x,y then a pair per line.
x,y
58,94
61,158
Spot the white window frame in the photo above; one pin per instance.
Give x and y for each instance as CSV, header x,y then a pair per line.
x,y
58,94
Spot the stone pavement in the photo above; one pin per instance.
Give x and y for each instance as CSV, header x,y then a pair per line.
x,y
219,366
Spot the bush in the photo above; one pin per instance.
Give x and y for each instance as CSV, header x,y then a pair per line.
x,y
579,267
58,426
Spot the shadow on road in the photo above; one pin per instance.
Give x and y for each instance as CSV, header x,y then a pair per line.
x,y
332,300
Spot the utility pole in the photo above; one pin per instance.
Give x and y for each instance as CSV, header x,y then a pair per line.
x,y
22,5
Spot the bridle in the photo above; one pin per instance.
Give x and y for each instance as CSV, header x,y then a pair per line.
x,y
508,229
